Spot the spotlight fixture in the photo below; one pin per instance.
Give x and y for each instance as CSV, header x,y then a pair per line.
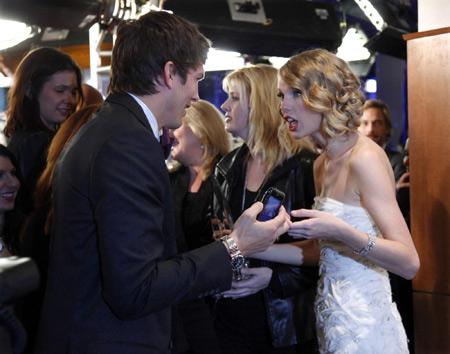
x,y
114,11
12,33
247,11
372,14
352,47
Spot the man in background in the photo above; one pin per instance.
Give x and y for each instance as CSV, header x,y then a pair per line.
x,y
376,123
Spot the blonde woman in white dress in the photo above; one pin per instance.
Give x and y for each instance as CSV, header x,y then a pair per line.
x,y
356,221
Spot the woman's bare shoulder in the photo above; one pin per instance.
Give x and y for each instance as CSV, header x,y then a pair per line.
x,y
366,152
369,161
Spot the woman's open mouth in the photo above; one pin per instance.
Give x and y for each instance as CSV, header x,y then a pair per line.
x,y
292,123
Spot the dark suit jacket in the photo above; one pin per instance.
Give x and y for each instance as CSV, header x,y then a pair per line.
x,y
396,160
113,276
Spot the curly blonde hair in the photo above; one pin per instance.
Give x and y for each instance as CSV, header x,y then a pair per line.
x,y
268,135
328,87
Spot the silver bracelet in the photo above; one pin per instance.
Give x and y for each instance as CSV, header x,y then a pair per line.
x,y
369,247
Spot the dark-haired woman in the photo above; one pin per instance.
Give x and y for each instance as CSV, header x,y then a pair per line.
x,y
46,90
9,186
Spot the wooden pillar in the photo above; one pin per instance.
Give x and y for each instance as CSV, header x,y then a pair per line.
x,y
429,132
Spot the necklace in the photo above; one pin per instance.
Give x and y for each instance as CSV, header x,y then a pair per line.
x,y
244,193
258,177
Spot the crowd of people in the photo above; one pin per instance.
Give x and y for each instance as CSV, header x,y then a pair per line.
x,y
140,252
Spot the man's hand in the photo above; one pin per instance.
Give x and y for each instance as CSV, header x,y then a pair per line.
x,y
403,182
259,279
253,236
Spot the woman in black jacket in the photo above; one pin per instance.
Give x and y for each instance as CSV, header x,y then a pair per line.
x,y
46,90
199,144
261,313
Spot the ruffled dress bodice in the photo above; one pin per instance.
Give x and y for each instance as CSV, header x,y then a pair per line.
x,y
354,308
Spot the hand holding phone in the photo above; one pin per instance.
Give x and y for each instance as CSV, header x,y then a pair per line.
x,y
272,200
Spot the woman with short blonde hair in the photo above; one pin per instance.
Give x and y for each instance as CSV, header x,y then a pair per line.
x,y
257,85
263,294
199,144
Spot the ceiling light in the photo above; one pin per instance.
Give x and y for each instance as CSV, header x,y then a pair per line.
x,y
372,14
223,60
278,62
115,11
352,47
12,33
370,86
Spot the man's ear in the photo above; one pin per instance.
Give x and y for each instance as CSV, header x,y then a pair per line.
x,y
169,74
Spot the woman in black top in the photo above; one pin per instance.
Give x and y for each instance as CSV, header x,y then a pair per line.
x,y
46,90
199,144
257,314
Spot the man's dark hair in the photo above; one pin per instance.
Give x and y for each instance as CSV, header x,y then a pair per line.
x,y
145,45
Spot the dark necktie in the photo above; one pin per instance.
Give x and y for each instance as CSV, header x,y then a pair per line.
x,y
166,142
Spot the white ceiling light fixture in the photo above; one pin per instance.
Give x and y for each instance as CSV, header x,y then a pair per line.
x,y
223,60
12,33
352,47
114,11
278,62
370,86
372,14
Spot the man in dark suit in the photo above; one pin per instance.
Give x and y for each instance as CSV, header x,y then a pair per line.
x,y
114,276
376,123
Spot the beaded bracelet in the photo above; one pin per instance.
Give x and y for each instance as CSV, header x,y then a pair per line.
x,y
369,247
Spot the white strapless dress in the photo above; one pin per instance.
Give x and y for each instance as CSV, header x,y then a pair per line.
x,y
354,308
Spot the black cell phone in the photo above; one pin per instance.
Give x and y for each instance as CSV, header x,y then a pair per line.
x,y
272,200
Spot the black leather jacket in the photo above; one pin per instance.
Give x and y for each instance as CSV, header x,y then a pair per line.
x,y
295,178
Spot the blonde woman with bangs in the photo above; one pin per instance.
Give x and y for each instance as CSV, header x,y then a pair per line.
x,y
356,222
199,144
263,296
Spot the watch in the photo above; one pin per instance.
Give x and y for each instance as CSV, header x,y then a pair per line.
x,y
237,259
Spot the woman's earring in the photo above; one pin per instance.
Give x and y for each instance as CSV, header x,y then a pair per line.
x,y
202,146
